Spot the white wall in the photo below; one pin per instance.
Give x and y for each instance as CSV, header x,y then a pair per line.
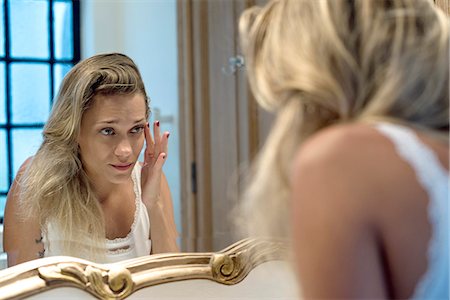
x,y
3,261
145,30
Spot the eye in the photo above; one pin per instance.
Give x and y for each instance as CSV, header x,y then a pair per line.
x,y
107,131
137,129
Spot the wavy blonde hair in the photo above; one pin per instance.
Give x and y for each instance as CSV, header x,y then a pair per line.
x,y
55,187
317,63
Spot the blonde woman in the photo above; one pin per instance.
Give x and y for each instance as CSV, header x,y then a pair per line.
x,y
358,156
84,193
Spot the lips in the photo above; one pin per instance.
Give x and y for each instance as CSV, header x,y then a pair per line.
x,y
122,167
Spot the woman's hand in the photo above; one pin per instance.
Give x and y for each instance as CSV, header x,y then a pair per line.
x,y
154,157
156,193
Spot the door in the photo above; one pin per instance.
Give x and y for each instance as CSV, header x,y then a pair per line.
x,y
221,125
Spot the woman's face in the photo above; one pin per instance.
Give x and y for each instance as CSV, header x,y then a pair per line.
x,y
112,136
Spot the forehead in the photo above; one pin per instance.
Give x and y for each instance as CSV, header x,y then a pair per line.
x,y
117,107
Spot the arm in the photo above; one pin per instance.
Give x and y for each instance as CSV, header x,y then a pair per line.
x,y
156,194
163,232
22,238
335,239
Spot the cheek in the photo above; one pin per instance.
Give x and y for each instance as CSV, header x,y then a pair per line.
x,y
139,144
136,146
93,150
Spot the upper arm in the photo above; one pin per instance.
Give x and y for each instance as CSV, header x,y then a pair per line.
x,y
335,241
22,237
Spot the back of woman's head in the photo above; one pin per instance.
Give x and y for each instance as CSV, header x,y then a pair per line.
x,y
351,59
321,62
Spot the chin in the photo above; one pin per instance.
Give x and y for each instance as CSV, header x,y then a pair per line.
x,y
119,178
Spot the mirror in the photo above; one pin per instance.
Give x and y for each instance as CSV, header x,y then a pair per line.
x,y
182,49
216,126
145,31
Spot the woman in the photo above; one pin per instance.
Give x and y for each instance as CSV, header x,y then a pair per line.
x,y
358,156
84,193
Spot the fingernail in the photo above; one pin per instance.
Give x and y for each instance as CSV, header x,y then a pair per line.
x,y
168,135
157,123
164,156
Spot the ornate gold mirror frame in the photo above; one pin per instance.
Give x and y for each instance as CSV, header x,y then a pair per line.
x,y
119,280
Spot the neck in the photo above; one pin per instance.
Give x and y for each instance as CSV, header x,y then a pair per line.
x,y
105,190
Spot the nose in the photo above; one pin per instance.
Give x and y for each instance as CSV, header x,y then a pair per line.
x,y
123,149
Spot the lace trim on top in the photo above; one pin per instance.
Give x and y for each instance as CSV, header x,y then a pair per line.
x,y
137,204
435,180
119,251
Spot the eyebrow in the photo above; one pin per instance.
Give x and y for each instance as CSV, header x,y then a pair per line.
x,y
117,121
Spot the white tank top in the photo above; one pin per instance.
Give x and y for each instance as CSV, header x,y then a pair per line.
x,y
434,178
135,244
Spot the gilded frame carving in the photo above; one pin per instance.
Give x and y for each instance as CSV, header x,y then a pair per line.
x,y
119,280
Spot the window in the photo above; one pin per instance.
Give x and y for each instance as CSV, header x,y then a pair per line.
x,y
39,43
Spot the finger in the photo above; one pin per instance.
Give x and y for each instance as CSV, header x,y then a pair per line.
x,y
149,148
160,162
165,143
148,137
157,138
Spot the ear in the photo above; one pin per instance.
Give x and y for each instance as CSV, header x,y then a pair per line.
x,y
77,140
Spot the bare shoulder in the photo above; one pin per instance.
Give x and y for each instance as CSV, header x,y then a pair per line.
x,y
334,185
353,153
351,194
24,166
15,187
353,173
340,143
21,238
351,167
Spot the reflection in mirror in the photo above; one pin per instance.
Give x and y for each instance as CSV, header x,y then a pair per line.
x,y
85,184
146,31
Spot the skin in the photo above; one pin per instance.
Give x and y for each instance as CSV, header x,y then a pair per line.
x,y
21,238
360,223
112,134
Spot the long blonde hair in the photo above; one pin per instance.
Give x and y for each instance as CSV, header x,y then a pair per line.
x,y
55,187
321,62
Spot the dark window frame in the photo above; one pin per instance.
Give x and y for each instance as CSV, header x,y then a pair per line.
x,y
51,61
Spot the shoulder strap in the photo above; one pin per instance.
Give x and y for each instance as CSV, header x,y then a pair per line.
x,y
434,284
420,157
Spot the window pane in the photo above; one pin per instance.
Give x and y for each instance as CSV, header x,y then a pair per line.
x,y
60,70
25,143
2,29
2,207
2,94
3,162
29,28
30,92
62,16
